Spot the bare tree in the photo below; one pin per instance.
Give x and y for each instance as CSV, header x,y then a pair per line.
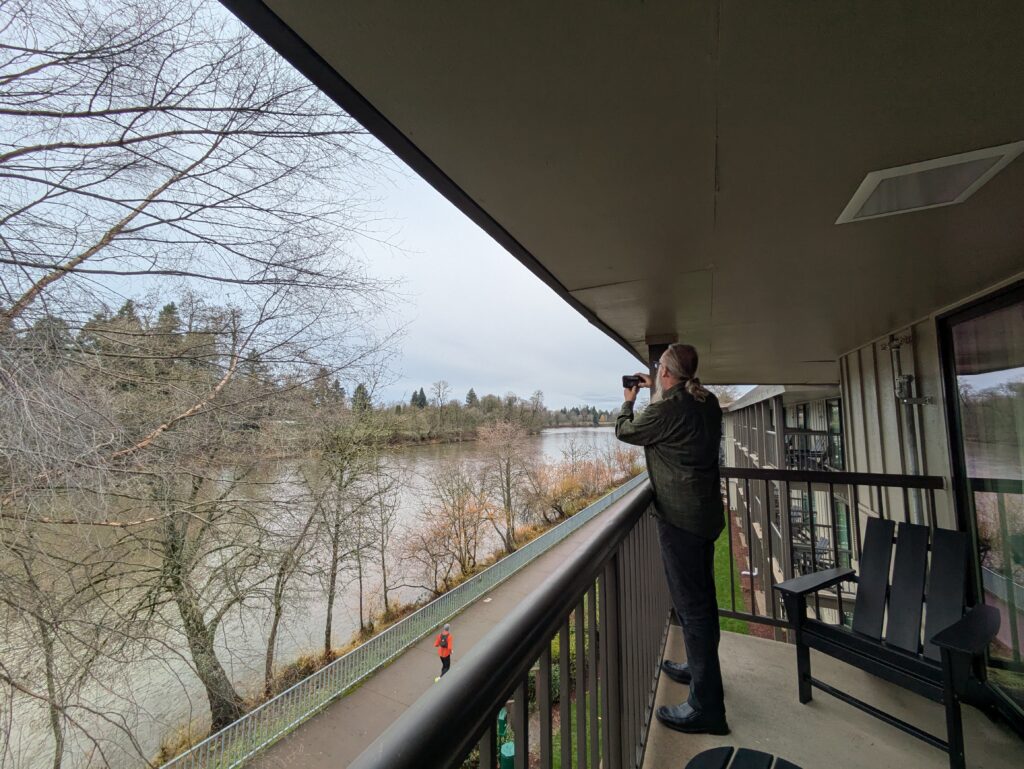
x,y
55,634
382,520
161,140
440,390
458,504
161,146
726,394
293,544
504,448
429,557
345,460
575,455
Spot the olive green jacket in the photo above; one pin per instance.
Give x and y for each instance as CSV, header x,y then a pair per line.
x,y
681,437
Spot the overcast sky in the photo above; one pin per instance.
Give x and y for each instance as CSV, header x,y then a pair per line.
x,y
478,318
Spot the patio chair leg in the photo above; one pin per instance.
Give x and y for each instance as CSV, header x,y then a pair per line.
x,y
796,610
954,720
955,735
803,672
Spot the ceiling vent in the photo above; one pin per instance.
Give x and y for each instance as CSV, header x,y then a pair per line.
x,y
928,184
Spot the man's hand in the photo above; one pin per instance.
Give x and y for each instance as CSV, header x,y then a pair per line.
x,y
630,394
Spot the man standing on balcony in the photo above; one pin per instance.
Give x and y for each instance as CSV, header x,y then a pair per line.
x,y
443,643
681,432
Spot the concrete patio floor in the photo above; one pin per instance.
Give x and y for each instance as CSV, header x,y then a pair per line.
x,y
764,714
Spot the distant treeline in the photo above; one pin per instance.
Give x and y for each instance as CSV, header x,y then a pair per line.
x,y
435,415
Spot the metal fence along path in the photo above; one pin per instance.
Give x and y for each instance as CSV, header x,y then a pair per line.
x,y
275,718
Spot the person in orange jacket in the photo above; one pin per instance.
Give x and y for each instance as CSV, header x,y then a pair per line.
x,y
443,644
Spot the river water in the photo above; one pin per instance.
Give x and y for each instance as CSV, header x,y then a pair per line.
x,y
159,695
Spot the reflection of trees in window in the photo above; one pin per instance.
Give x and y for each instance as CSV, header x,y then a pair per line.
x,y
990,415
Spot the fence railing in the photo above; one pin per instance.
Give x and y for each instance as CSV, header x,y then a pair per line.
x,y
799,521
278,716
608,607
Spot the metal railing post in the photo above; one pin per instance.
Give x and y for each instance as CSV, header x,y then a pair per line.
x,y
610,644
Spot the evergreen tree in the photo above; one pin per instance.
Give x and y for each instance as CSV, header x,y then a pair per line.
x,y
471,399
422,402
49,335
253,368
361,399
128,312
322,386
414,401
169,320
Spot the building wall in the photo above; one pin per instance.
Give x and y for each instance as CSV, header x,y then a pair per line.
x,y
875,423
878,428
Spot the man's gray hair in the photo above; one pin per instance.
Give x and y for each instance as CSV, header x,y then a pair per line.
x,y
447,627
680,360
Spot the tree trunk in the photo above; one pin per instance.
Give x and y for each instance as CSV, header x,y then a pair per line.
x,y
384,575
510,516
225,703
284,574
268,670
332,587
359,575
51,695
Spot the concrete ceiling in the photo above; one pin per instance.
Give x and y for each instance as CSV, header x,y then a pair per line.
x,y
676,168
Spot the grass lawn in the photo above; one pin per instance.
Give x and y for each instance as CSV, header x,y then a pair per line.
x,y
722,568
556,738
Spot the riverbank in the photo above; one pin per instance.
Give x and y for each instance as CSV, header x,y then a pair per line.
x,y
574,487
345,728
398,441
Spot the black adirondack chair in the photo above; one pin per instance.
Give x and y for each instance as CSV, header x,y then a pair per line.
x,y
938,665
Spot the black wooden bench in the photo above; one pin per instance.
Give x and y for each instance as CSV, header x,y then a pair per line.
x,y
938,665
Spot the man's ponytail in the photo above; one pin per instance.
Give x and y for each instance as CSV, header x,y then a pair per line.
x,y
696,389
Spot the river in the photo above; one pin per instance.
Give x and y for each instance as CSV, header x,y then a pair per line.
x,y
159,695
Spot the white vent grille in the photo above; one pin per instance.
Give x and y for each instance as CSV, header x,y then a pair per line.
x,y
929,184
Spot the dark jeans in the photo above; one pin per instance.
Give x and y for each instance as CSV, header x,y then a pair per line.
x,y
446,662
690,569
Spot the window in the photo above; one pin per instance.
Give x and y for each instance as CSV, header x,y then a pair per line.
x,y
836,460
983,350
799,419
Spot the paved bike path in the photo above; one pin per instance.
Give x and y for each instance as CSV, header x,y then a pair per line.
x,y
334,737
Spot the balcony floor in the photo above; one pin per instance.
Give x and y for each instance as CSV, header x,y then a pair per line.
x,y
764,714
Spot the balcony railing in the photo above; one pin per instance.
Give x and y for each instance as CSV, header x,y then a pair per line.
x,y
608,607
799,521
813,450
